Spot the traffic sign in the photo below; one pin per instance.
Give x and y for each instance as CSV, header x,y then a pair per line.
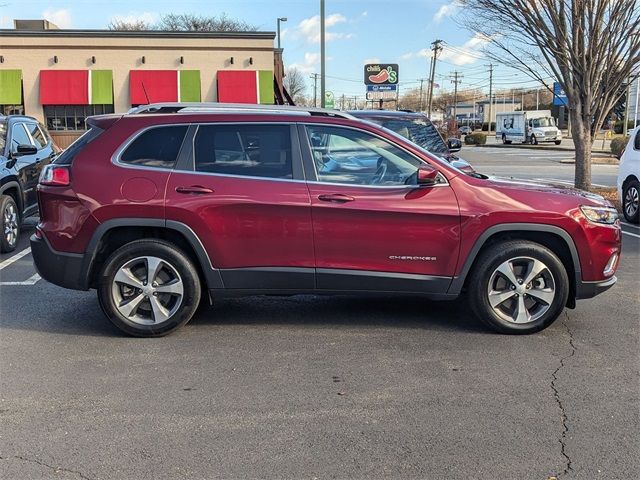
x,y
329,100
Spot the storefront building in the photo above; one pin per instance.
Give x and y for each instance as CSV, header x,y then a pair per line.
x,y
62,76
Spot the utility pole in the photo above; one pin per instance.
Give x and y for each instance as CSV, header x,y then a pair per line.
x,y
436,47
421,107
315,88
355,102
455,79
342,103
537,99
322,55
490,97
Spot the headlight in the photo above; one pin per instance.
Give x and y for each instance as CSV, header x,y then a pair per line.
x,y
606,215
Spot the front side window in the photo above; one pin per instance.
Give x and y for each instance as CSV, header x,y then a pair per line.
x,y
156,148
247,150
343,155
38,137
19,136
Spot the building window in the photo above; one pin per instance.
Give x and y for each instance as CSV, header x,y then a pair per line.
x,y
11,110
72,117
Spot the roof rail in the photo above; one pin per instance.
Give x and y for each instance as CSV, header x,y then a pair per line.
x,y
213,107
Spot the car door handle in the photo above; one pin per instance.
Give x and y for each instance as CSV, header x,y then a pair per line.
x,y
335,197
197,189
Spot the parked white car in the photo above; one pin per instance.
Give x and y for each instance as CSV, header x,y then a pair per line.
x,y
629,177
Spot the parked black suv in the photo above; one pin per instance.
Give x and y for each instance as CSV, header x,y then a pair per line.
x,y
418,128
25,148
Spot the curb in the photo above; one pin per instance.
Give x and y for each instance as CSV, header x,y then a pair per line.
x,y
596,161
537,147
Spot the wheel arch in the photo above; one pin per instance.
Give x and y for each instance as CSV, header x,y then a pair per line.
x,y
555,238
12,188
113,234
630,178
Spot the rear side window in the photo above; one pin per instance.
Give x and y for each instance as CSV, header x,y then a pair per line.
x,y
636,142
248,150
156,148
67,156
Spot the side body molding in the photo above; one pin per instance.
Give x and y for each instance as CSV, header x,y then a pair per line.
x,y
458,282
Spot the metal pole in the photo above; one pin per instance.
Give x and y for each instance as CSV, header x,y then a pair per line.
x,y
490,97
322,55
280,19
627,104
537,99
635,113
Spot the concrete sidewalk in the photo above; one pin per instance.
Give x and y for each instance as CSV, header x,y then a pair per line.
x,y
600,146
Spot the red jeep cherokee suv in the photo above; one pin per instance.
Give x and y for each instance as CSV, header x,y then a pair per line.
x,y
163,206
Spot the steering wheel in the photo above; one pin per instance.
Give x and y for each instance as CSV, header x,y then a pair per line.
x,y
380,172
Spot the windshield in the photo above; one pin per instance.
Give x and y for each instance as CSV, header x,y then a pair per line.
x,y
420,131
3,135
544,122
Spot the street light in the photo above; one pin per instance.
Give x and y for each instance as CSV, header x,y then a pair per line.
x,y
280,19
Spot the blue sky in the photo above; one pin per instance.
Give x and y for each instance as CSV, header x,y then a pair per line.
x,y
392,31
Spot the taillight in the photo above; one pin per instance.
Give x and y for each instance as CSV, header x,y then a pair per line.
x,y
55,175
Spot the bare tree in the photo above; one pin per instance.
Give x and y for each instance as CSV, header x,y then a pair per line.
x,y
187,22
295,84
591,47
136,25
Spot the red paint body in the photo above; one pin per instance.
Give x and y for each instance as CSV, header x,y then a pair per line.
x,y
261,222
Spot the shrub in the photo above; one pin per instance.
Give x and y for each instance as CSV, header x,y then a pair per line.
x,y
617,145
618,126
475,139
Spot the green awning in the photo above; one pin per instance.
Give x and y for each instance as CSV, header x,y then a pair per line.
x,y
189,86
101,87
265,87
10,87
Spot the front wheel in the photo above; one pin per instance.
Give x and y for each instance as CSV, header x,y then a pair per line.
x,y
518,287
631,201
558,142
149,288
10,224
534,140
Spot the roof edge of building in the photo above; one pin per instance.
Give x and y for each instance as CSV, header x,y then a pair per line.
x,y
134,34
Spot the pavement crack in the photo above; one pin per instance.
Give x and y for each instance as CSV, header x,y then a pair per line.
x,y
556,394
55,469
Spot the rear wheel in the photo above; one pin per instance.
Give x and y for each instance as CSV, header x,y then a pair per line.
x,y
10,224
518,287
631,201
558,142
149,288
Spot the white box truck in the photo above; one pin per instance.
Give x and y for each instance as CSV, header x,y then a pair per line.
x,y
533,126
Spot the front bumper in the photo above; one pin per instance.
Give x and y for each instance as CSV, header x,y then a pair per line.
x,y
59,268
591,289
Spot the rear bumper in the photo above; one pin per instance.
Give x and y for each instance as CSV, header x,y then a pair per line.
x,y
60,268
591,289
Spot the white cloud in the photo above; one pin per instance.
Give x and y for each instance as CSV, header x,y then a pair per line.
x,y
446,10
62,17
308,65
133,17
309,29
371,60
466,54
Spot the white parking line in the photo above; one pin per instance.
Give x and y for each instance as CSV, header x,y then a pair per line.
x,y
631,225
30,281
631,234
15,258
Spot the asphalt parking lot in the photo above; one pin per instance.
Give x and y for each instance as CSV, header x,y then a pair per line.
x,y
317,387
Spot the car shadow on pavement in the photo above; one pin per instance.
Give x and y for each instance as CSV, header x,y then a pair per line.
x,y
80,313
375,311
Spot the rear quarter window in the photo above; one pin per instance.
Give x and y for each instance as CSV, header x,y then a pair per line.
x,y
157,147
67,156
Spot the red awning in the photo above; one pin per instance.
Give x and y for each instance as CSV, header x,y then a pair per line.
x,y
237,86
64,87
152,86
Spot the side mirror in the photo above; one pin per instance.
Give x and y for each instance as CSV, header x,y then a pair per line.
x,y
24,149
454,144
427,175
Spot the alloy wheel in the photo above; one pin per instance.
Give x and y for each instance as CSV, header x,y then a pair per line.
x,y
521,290
10,224
631,201
147,290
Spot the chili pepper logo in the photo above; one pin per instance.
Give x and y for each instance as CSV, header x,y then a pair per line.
x,y
388,75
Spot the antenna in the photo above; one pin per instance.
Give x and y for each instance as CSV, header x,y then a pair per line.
x,y
145,92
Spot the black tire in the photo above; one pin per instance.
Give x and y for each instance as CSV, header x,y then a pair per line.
x,y
534,140
630,205
558,142
504,139
483,273
176,262
10,224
